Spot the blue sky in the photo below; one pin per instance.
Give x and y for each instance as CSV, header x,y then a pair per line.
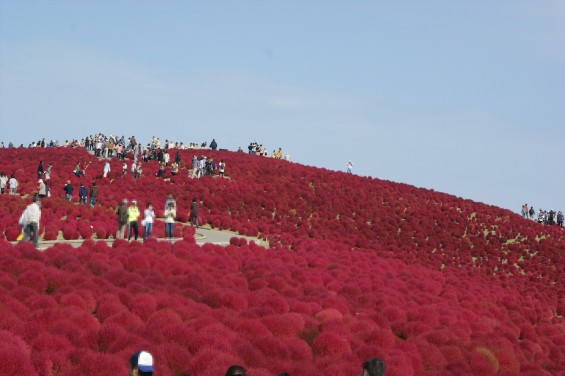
x,y
464,97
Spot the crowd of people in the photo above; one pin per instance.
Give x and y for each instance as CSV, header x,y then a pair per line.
x,y
141,363
260,150
544,217
110,146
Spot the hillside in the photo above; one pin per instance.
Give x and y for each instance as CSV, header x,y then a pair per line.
x,y
357,267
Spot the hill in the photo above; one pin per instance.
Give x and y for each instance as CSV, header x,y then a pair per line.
x,y
357,267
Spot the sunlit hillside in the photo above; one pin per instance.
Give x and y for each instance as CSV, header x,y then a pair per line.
x,y
356,268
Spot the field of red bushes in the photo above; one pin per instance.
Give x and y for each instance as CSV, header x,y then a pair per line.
x,y
357,267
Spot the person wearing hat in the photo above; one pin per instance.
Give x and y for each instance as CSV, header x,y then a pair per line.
x,y
122,213
133,215
373,367
141,364
30,221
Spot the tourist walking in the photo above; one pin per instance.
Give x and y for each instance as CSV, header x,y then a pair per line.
x,y
170,215
148,219
122,214
194,213
68,188
133,215
30,221
93,194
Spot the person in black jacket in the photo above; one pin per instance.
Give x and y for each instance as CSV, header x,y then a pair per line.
x,y
194,213
40,170
68,188
213,144
82,194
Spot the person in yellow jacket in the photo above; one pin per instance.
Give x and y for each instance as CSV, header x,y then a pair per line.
x,y
133,215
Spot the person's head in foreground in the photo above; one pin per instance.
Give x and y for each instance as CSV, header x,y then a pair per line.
x,y
373,367
236,370
141,364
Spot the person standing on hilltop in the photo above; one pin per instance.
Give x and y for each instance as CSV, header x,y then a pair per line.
x,y
349,167
213,144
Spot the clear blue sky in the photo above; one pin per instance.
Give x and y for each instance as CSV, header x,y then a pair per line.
x,y
465,97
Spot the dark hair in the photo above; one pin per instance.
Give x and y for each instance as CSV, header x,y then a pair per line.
x,y
236,370
374,367
284,374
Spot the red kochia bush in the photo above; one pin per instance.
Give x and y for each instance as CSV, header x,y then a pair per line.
x,y
428,282
33,279
15,355
330,344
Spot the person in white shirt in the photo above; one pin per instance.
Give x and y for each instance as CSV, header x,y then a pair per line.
x,y
13,185
148,219
30,220
106,168
3,182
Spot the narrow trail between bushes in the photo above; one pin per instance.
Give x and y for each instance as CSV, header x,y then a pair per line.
x,y
202,236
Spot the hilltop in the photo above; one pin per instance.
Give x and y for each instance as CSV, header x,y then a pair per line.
x,y
356,267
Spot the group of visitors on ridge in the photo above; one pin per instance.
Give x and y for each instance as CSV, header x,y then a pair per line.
x,y
544,217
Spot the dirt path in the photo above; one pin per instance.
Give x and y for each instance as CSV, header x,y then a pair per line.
x,y
203,235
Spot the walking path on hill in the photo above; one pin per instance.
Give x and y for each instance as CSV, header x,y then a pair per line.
x,y
202,236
